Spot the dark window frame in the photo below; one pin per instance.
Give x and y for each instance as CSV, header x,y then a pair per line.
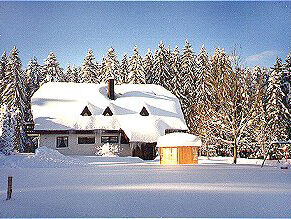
x,y
86,140
110,139
168,131
65,139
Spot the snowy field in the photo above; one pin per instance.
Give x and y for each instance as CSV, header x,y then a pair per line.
x,y
61,186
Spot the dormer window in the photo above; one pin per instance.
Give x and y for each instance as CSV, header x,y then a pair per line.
x,y
107,112
86,112
144,112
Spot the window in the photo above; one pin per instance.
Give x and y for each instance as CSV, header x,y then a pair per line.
x,y
86,112
62,142
144,112
107,112
109,139
168,131
86,140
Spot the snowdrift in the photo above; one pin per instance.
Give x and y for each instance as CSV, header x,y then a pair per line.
x,y
43,158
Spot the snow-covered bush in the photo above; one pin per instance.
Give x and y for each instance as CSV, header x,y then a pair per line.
x,y
107,150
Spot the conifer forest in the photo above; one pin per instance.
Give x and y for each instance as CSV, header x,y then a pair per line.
x,y
235,109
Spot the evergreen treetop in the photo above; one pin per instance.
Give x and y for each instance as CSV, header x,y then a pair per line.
x,y
124,69
52,72
136,70
148,66
89,70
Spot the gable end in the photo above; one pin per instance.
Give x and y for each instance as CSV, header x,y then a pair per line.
x,y
107,112
86,112
144,112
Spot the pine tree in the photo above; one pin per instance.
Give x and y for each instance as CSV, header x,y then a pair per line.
x,y
69,74
19,144
148,67
286,81
188,76
124,69
286,86
111,67
52,72
89,70
161,71
33,75
188,70
3,66
6,139
202,110
3,63
14,94
75,74
175,82
277,115
136,70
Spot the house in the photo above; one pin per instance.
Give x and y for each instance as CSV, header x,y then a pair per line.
x,y
80,118
179,148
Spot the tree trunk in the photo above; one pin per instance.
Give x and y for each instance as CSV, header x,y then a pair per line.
x,y
207,151
235,152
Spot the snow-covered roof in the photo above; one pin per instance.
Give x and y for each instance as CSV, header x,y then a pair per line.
x,y
178,139
58,105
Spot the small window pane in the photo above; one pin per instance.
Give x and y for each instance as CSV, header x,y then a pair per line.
x,y
62,142
109,139
86,140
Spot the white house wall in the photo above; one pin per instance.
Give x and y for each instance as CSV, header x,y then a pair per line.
x,y
50,141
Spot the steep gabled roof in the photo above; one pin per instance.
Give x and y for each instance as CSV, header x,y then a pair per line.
x,y
57,106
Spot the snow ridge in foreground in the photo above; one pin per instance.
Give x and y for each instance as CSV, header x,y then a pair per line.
x,y
44,157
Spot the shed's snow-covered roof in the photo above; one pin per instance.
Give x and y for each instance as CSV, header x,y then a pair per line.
x,y
58,105
178,139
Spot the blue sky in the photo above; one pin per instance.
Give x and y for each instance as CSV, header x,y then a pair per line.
x,y
262,30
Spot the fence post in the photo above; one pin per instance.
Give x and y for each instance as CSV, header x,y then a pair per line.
x,y
9,189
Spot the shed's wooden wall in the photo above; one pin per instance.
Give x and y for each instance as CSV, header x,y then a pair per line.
x,y
179,155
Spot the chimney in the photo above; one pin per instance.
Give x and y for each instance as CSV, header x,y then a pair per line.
x,y
111,89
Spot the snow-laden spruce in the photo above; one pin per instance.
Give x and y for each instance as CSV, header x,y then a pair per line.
x,y
33,76
136,73
52,72
124,70
89,70
111,67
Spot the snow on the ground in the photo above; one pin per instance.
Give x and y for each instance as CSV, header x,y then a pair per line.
x,y
43,158
50,158
131,187
243,161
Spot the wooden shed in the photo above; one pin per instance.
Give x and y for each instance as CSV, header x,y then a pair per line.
x,y
179,148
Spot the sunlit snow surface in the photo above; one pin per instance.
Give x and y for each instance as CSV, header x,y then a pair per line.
x,y
130,187
179,139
